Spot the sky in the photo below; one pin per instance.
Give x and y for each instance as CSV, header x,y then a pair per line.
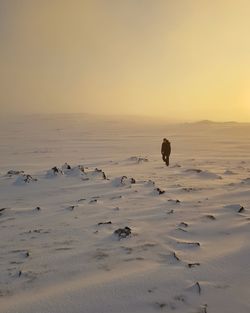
x,y
174,59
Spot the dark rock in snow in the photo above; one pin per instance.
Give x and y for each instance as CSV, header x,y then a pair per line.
x,y
93,201
101,171
160,191
190,265
242,209
211,217
56,170
123,232
24,178
13,172
176,201
2,210
194,170
183,224
170,212
68,167
123,178
105,223
132,180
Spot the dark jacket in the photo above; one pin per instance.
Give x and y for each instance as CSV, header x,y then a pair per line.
x,y
166,148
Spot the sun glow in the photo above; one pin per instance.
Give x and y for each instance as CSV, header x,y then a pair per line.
x,y
177,59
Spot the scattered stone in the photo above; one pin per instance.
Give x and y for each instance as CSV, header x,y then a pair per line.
x,y
172,200
195,170
123,178
82,199
132,180
71,207
101,171
24,178
2,210
116,197
35,231
194,244
242,209
11,173
123,232
56,170
66,166
170,212
93,201
38,208
160,191
104,223
190,265
81,168
236,207
183,224
161,305
198,286
188,189
211,217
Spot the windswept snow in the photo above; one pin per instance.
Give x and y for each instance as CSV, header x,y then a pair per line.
x,y
93,221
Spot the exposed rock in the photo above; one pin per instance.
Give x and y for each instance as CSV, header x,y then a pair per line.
x,y
105,223
190,265
170,212
24,179
102,172
176,201
183,224
194,170
242,209
11,173
66,166
159,191
132,180
93,201
123,232
211,217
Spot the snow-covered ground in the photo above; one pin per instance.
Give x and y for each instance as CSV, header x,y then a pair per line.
x,y
184,250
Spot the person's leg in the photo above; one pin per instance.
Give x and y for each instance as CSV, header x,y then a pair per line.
x,y
164,157
167,160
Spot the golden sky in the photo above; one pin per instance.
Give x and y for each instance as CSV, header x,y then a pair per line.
x,y
178,59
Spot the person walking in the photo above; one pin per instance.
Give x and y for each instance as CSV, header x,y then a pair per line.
x,y
165,151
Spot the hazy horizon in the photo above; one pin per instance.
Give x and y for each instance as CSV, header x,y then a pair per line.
x,y
175,60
